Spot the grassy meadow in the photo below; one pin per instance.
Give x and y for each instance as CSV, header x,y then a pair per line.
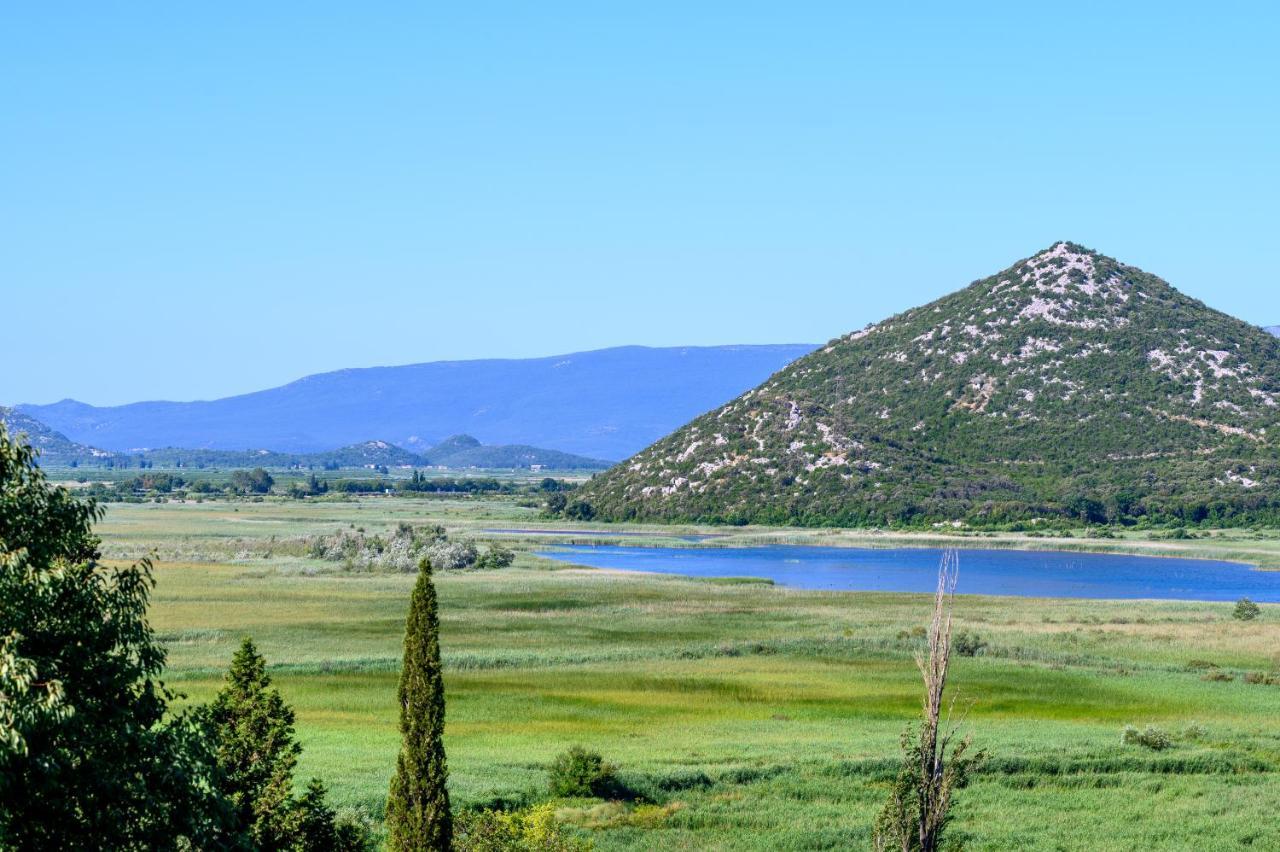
x,y
741,715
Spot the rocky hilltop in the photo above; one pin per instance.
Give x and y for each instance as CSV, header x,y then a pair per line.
x,y
54,447
1067,384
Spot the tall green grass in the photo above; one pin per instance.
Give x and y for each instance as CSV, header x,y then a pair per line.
x,y
749,716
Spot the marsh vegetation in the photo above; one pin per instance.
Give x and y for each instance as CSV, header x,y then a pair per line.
x,y
626,711
737,715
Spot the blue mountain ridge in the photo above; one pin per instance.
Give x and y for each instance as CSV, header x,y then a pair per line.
x,y
606,403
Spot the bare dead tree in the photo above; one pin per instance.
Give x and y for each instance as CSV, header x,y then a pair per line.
x,y
914,817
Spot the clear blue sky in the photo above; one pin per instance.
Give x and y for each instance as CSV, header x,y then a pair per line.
x,y
205,199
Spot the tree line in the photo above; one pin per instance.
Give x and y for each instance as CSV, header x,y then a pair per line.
x,y
260,482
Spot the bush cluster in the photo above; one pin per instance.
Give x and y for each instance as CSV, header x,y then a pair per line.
x,y
404,549
1150,737
357,551
968,644
579,772
1246,610
533,828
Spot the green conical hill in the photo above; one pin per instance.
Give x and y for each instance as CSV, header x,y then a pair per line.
x,y
1067,383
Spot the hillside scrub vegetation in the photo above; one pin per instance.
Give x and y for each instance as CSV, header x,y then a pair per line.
x,y
1067,387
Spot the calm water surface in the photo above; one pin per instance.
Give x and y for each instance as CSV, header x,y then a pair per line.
x,y
1048,574
691,537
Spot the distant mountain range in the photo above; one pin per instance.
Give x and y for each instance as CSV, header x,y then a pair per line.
x,y
456,452
1068,385
604,404
1274,329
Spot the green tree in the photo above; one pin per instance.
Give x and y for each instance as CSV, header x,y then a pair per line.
x,y
1246,610
256,751
418,815
256,481
318,829
556,503
90,756
252,728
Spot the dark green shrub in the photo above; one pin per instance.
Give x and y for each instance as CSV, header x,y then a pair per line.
x,y
556,504
316,827
1246,610
578,772
496,556
967,644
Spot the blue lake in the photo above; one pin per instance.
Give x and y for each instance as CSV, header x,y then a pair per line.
x,y
542,531
1052,574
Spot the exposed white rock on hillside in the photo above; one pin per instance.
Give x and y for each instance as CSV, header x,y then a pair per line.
x,y
1062,361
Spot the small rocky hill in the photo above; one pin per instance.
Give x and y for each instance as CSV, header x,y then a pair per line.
x,y
465,451
1068,384
55,448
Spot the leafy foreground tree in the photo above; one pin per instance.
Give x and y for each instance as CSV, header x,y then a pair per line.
x,y
90,757
919,805
418,815
253,729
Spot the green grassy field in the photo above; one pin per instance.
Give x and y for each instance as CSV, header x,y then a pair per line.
x,y
751,716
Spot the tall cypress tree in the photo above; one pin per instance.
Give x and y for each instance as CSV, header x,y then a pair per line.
x,y
418,817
